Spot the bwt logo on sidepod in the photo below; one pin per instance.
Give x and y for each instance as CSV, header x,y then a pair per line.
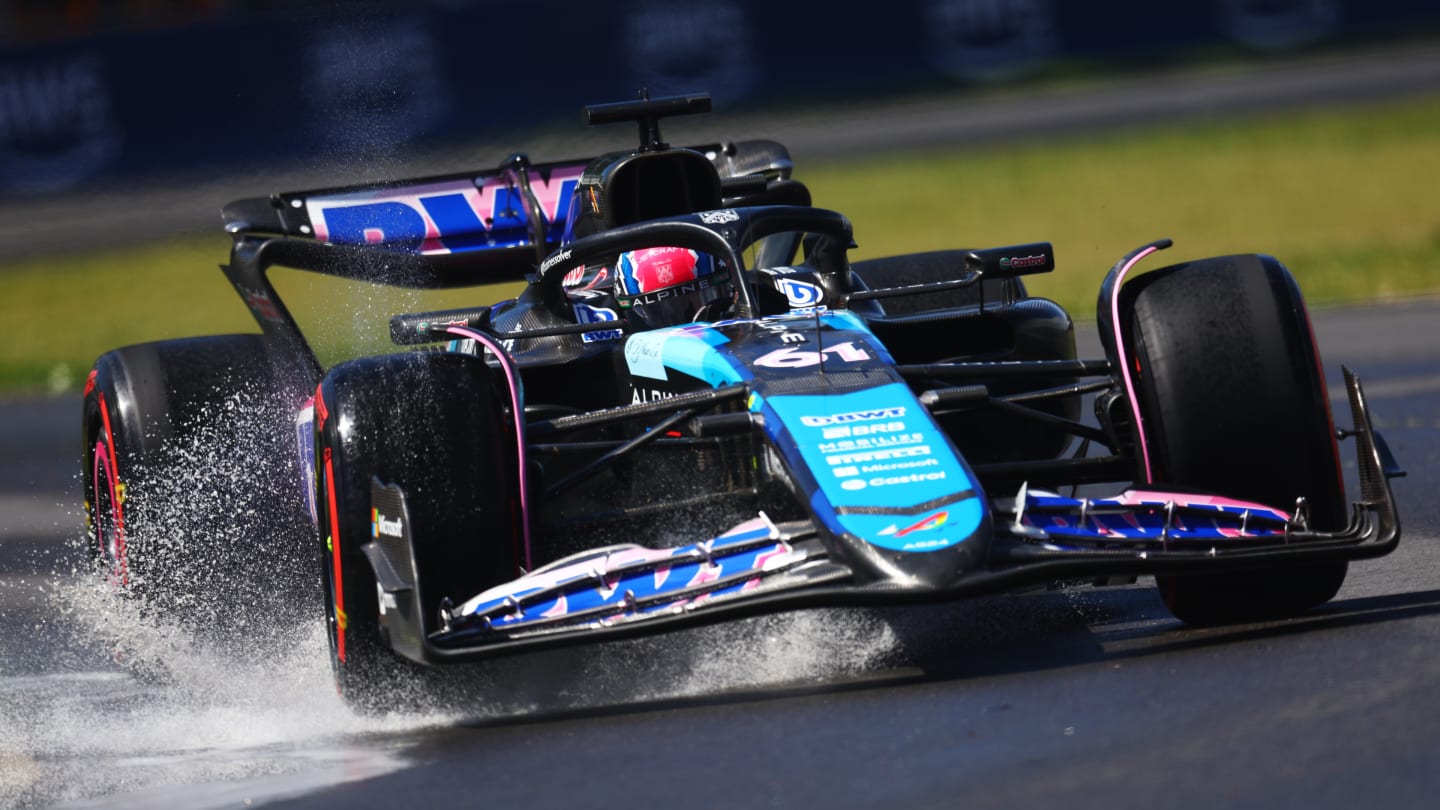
x,y
438,217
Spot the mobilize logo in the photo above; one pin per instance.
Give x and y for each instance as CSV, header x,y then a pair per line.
x,y
871,442
853,416
379,524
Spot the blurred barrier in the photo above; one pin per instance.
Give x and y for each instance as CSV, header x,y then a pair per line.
x,y
238,85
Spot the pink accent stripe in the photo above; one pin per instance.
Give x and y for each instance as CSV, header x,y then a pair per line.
x,y
1134,497
341,621
1124,361
511,376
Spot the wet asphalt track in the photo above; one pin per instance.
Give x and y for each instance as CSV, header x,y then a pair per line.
x,y
1077,699
1080,699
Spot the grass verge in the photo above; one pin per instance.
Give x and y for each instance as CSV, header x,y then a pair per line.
x,y
1345,197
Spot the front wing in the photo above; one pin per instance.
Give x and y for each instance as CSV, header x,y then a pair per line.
x,y
763,567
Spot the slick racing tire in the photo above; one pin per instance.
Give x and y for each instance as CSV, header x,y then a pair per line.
x,y
435,427
923,268
193,500
1233,402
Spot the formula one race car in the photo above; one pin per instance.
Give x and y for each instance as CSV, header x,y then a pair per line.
x,y
699,408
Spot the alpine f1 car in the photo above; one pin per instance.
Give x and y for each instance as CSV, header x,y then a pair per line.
x,y
700,408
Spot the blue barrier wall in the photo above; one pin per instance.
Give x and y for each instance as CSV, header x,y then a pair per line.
x,y
234,87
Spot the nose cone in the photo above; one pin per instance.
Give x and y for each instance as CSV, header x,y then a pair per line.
x,y
930,550
888,486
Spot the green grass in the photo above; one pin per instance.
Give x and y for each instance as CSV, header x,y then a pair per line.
x,y
62,312
1346,198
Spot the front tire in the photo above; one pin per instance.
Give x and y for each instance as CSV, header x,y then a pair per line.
x,y
1233,402
433,425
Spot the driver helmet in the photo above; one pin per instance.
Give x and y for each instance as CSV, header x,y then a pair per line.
x,y
666,286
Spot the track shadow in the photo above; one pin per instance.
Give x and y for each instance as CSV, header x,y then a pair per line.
x,y
990,637
1336,615
978,637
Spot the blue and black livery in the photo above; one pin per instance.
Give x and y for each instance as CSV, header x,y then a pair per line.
x,y
897,430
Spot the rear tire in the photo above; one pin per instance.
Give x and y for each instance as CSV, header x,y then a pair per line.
x,y
193,499
434,425
1233,402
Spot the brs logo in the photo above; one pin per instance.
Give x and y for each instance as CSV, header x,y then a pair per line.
x,y
444,217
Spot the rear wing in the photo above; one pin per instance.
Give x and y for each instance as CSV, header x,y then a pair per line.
x,y
431,215
439,232
516,213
